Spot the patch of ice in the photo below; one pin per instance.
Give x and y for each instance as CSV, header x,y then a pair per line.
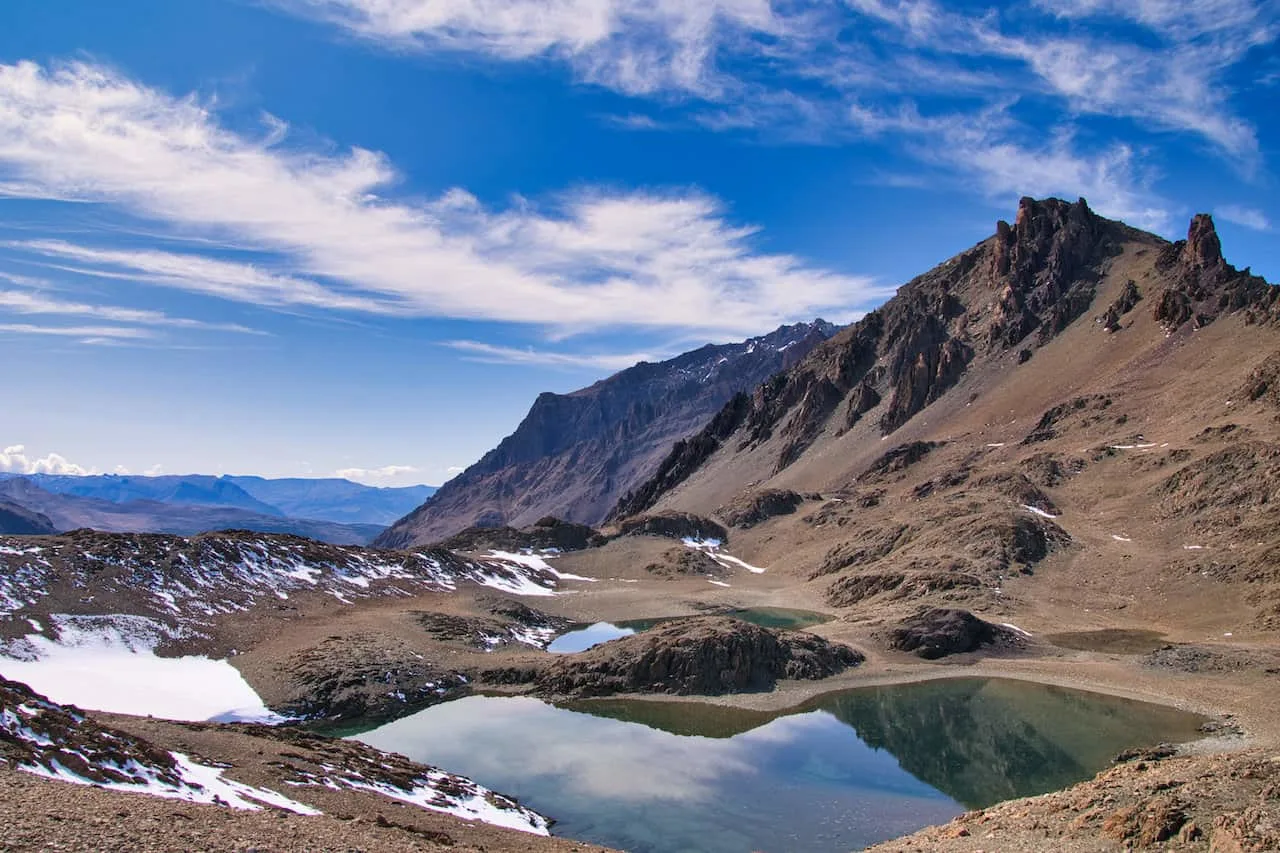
x,y
1131,446
1193,547
110,664
716,582
1038,511
1120,538
1015,629
996,444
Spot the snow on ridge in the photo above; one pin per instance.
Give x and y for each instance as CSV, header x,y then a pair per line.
x,y
53,741
219,574
197,783
538,562
437,791
57,742
1038,511
711,547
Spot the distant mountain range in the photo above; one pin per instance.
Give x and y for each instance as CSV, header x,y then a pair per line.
x,y
574,455
331,510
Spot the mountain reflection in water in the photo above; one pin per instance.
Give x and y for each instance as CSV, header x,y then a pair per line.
x,y
842,771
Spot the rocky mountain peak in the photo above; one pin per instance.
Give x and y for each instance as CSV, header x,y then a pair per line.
x,y
1203,249
1203,286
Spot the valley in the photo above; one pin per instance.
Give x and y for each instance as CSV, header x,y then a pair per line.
x,y
1034,491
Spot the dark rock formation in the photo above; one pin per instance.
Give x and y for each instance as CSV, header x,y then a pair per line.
x,y
898,459
546,533
703,656
941,632
38,734
673,525
750,509
574,455
1123,304
1204,286
1051,422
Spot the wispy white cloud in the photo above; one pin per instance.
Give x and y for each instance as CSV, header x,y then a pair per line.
x,y
1247,217
634,46
25,302
14,460
586,259
494,354
752,65
984,146
86,334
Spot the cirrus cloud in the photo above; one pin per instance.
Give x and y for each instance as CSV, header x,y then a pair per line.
x,y
327,230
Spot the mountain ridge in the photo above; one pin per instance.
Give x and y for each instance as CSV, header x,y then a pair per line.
x,y
1008,295
574,454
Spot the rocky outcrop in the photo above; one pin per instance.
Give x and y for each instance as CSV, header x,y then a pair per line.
x,y
1204,286
1123,304
941,632
575,455
898,459
680,561
365,677
705,656
549,532
1081,410
673,525
752,508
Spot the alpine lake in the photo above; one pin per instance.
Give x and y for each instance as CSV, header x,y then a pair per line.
x,y
837,773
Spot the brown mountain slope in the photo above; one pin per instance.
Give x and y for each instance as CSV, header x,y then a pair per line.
x,y
1073,421
980,314
575,454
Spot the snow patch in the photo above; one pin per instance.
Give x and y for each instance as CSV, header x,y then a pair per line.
x,y
1038,511
109,664
711,547
198,783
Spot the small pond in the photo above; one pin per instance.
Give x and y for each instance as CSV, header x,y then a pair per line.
x,y
583,637
842,771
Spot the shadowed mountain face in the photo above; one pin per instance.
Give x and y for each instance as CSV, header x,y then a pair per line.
x,y
1003,299
574,454
16,519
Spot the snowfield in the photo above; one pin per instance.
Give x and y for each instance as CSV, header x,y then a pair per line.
x,y
108,663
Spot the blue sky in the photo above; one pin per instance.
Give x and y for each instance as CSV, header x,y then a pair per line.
x,y
298,237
